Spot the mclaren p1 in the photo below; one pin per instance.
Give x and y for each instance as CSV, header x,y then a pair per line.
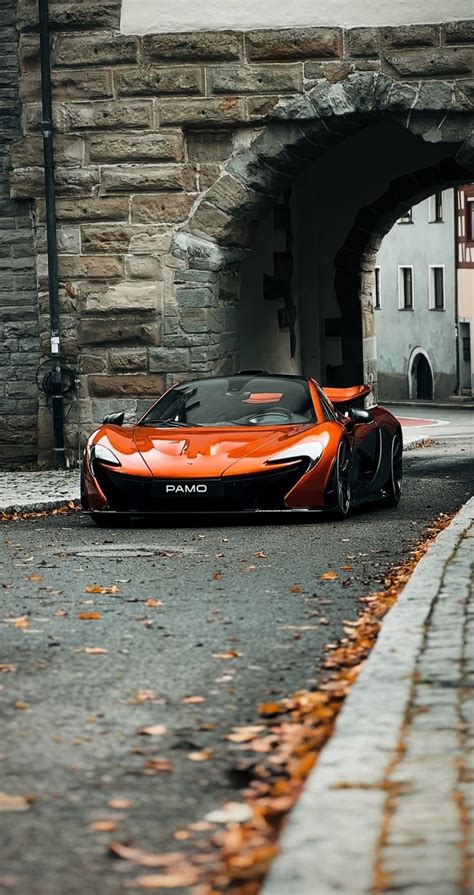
x,y
244,443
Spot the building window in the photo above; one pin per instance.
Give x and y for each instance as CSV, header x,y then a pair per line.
x,y
470,220
405,288
437,288
406,218
435,208
377,289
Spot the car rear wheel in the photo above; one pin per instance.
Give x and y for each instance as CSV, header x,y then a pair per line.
x,y
393,487
340,489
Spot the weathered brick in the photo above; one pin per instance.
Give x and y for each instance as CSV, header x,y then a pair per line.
x,y
411,36
278,78
66,15
208,175
431,63
28,51
120,297
229,110
127,361
26,183
294,43
195,297
133,385
259,107
209,145
143,267
29,151
104,114
109,208
69,84
92,48
161,207
92,266
93,363
122,238
363,42
128,330
164,360
116,147
154,80
459,32
139,178
185,47
202,320
68,236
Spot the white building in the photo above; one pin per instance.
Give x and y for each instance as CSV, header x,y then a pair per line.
x,y
415,303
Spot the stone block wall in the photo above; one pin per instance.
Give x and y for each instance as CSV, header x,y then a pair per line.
x,y
19,347
145,130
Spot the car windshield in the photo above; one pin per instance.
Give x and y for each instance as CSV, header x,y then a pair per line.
x,y
240,400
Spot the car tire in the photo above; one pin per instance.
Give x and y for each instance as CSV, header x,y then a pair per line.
x,y
340,488
393,486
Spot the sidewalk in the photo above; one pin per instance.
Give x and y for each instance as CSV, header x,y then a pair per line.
x,y
389,807
33,491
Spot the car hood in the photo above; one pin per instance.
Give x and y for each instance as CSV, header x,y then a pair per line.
x,y
208,452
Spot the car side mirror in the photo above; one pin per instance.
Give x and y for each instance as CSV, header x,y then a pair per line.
x,y
357,415
114,419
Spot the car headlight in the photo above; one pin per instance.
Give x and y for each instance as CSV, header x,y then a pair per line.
x,y
104,455
309,450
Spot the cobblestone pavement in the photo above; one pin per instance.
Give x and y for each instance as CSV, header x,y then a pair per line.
x,y
393,790
37,490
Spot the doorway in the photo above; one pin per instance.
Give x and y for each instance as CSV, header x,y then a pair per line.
x,y
421,378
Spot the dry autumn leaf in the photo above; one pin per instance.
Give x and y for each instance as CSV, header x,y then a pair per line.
x,y
271,708
175,880
144,858
90,616
217,576
14,803
6,667
329,576
203,755
192,700
91,650
153,602
100,589
119,804
152,730
261,554
181,835
157,765
245,734
230,813
143,696
103,826
34,578
60,613
230,654
295,589
21,622
19,704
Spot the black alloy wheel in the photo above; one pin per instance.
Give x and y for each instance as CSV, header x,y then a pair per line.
x,y
393,487
341,482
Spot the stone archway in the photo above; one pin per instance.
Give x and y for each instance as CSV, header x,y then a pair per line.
x,y
420,376
218,235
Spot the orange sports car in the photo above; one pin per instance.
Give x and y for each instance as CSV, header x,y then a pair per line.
x,y
250,442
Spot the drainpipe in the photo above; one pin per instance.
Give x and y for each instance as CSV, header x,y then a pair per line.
x,y
457,390
60,458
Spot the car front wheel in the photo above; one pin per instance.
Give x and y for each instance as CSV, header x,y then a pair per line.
x,y
340,489
393,487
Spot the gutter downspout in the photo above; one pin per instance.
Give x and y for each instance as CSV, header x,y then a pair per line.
x,y
60,457
457,390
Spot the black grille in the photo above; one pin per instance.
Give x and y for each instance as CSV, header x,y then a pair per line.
x,y
263,491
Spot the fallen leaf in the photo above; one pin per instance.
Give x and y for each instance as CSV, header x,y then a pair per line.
x,y
347,568
152,602
145,858
204,755
181,835
14,803
329,576
103,826
245,734
192,700
143,696
157,765
261,554
100,589
91,650
271,708
201,826
21,622
6,667
152,730
60,613
90,616
295,589
176,880
217,576
19,704
250,568
118,804
231,812
231,654
34,578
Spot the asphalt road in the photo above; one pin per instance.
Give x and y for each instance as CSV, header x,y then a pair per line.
x,y
70,718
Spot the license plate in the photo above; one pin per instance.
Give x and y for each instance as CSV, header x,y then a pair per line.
x,y
190,489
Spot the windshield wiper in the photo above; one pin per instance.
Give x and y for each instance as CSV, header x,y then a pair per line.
x,y
171,424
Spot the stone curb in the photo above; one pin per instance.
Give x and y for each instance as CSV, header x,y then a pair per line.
x,y
329,843
37,506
